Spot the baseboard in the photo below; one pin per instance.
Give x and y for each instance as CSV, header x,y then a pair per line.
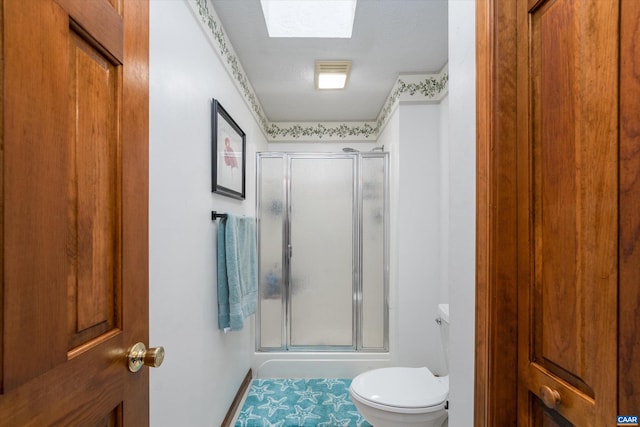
x,y
237,400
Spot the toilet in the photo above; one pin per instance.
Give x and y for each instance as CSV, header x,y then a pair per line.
x,y
401,396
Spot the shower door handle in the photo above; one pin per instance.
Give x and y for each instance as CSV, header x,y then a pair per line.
x,y
289,251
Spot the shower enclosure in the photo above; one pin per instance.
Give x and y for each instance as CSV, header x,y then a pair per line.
x,y
323,251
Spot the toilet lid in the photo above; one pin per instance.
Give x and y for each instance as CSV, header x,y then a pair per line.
x,y
402,387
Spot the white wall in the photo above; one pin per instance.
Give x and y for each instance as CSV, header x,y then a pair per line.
x,y
203,367
390,138
444,199
417,223
413,138
462,161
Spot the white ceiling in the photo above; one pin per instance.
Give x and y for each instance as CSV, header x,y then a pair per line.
x,y
390,37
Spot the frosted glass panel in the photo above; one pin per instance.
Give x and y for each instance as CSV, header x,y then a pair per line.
x,y
373,254
321,235
329,288
271,205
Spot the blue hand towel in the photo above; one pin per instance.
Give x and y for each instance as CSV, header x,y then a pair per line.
x,y
237,271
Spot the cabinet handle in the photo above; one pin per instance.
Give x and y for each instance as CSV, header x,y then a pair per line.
x,y
549,396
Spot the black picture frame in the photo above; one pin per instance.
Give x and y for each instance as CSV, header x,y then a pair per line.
x,y
228,154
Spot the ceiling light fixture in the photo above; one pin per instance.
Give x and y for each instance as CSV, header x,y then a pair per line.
x,y
309,18
332,74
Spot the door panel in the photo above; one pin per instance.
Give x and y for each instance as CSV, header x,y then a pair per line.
x,y
544,417
320,189
568,209
93,249
74,165
103,20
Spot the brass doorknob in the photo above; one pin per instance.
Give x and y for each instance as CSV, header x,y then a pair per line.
x,y
549,396
138,355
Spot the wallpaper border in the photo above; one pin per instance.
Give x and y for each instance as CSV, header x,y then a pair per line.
x,y
407,88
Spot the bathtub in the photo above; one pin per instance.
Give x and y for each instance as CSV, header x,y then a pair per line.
x,y
316,364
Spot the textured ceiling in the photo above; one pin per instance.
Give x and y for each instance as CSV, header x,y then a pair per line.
x,y
390,37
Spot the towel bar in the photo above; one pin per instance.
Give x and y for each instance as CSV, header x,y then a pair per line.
x,y
215,215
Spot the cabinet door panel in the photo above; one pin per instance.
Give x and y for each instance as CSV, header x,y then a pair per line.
x,y
568,216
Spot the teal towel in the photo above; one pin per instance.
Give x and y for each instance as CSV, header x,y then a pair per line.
x,y
237,271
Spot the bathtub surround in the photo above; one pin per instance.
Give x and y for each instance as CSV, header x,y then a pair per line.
x,y
323,243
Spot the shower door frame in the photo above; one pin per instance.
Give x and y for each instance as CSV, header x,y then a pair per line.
x,y
357,248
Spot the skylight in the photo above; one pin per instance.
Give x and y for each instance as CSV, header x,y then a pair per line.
x,y
309,18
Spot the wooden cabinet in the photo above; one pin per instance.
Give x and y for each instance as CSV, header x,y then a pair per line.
x,y
559,119
567,143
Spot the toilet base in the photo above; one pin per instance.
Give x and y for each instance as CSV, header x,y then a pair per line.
x,y
379,418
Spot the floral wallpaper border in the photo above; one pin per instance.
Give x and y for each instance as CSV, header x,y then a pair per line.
x,y
408,88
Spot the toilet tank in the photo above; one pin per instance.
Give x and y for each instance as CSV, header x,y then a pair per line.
x,y
443,315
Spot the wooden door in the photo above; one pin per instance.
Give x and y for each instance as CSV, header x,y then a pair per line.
x,y
74,288
567,195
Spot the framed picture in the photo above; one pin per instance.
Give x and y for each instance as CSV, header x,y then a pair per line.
x,y
228,151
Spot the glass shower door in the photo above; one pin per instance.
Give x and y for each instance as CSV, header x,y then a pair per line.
x,y
321,252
